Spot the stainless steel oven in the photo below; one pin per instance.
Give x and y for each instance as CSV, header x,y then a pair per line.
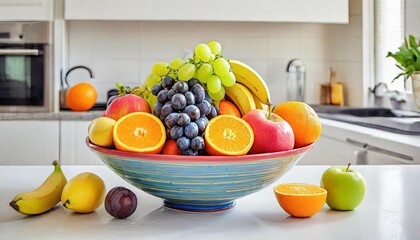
x,y
25,67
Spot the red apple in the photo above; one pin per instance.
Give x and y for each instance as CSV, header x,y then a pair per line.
x,y
271,132
126,104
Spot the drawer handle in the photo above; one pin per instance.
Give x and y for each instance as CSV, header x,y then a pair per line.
x,y
379,150
22,52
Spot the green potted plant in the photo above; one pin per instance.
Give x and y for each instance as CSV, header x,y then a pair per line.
x,y
408,60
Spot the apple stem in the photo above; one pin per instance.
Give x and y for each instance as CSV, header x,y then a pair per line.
x,y
270,110
348,166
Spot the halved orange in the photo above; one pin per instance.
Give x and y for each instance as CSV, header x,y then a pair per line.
x,y
300,199
139,132
228,135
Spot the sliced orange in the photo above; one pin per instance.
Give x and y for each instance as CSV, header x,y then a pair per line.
x,y
139,132
228,135
300,199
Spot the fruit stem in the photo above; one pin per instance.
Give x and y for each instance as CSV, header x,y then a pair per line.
x,y
270,110
66,202
348,166
55,162
13,204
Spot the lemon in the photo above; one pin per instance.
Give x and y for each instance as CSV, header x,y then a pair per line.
x,y
100,131
84,193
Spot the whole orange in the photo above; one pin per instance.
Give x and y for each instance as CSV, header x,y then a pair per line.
x,y
170,148
81,97
227,107
303,120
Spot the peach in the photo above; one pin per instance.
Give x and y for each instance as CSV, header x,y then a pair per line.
x,y
126,104
100,131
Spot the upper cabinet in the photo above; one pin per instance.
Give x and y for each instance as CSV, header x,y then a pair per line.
x,y
318,11
26,10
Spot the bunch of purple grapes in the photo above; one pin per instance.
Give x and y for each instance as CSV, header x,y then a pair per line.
x,y
185,108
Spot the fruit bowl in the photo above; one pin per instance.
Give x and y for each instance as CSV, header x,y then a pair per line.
x,y
199,183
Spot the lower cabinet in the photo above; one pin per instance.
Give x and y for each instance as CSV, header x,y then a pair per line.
x,y
29,142
331,151
73,149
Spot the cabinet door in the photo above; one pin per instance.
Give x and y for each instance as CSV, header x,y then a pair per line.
x,y
26,10
331,151
320,11
28,142
73,149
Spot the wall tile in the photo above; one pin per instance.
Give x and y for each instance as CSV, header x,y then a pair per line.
x,y
126,50
246,48
152,47
283,48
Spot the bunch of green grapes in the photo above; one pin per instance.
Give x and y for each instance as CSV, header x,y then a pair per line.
x,y
207,65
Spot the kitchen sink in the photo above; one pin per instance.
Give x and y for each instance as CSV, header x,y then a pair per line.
x,y
392,120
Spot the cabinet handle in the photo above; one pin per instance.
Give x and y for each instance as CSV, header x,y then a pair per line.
x,y
391,153
379,150
22,52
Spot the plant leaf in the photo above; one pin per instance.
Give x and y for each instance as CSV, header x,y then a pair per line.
x,y
413,43
398,76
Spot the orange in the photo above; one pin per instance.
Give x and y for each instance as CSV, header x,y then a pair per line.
x,y
303,120
170,148
300,199
81,97
228,135
139,132
227,107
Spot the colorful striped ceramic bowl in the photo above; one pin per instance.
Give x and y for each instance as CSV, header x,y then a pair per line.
x,y
199,183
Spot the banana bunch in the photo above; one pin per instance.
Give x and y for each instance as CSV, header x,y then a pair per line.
x,y
43,198
250,91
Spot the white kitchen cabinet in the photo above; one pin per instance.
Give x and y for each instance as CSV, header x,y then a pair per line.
x,y
26,10
73,149
331,151
319,11
29,142
342,143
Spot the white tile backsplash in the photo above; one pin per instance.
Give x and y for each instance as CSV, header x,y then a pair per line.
x,y
126,50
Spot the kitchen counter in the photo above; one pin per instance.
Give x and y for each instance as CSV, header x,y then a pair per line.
x,y
62,115
365,132
389,211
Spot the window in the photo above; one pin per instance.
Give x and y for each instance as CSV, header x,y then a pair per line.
x,y
389,37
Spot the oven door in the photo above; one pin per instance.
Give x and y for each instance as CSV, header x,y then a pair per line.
x,y
23,85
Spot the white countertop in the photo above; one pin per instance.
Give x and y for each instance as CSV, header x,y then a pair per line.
x,y
411,140
390,210
51,116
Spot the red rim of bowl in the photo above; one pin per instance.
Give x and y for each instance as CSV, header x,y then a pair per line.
x,y
183,158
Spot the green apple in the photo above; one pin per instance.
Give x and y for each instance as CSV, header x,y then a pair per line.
x,y
346,187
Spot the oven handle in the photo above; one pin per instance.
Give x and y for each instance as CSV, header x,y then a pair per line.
x,y
22,52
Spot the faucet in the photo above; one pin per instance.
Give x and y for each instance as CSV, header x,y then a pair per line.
x,y
376,88
296,80
379,91
74,68
397,98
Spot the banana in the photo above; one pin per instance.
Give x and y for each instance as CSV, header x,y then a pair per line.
x,y
247,76
241,97
45,197
258,104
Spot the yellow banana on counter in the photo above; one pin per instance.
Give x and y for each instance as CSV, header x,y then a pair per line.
x,y
241,97
43,198
248,77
